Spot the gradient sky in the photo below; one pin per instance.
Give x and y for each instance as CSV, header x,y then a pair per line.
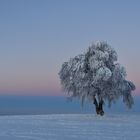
x,y
37,36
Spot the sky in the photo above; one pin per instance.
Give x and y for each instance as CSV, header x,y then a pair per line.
x,y
37,36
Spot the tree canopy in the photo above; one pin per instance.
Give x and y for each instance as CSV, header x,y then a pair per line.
x,y
97,73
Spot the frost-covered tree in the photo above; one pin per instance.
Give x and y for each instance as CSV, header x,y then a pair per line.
x,y
96,74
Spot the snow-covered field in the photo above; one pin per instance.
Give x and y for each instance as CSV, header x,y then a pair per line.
x,y
70,127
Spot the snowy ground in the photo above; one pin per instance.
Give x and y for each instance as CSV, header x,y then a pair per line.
x,y
70,127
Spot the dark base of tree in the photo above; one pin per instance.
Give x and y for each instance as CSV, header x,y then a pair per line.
x,y
99,107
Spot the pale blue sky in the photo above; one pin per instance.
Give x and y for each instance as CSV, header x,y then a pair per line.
x,y
37,36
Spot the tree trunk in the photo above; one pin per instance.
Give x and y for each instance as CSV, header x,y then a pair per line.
x,y
99,107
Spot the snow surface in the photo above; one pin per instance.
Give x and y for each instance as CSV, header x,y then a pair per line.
x,y
70,127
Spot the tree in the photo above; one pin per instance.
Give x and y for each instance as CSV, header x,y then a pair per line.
x,y
96,74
